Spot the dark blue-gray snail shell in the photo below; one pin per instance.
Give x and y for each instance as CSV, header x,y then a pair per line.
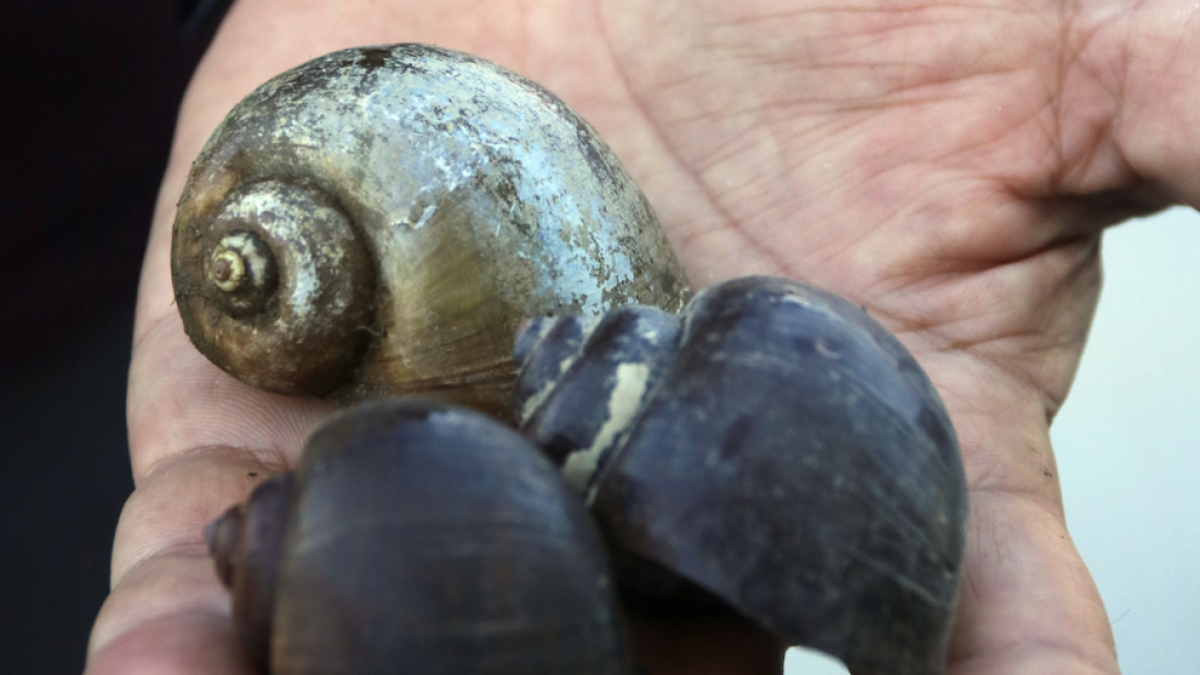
x,y
378,221
418,537
772,445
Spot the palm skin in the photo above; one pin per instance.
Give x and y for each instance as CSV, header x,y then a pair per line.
x,y
949,167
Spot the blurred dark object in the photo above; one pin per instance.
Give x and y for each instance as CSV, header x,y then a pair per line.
x,y
91,89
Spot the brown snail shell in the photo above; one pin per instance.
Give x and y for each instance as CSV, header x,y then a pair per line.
x,y
422,538
777,449
378,221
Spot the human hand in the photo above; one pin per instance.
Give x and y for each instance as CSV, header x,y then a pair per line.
x,y
949,167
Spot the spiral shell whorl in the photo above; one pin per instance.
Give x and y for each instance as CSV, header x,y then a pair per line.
x,y
241,273
282,295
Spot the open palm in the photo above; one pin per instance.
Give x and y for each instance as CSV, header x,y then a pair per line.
x,y
948,166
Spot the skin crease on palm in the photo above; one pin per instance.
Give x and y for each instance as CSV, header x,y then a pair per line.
x,y
948,166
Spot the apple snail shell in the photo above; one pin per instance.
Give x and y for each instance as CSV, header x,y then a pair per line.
x,y
378,221
417,537
772,446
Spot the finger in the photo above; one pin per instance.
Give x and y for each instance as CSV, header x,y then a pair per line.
x,y
1145,53
167,612
1028,603
178,401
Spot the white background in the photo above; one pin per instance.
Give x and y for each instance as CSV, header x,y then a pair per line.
x,y
1128,447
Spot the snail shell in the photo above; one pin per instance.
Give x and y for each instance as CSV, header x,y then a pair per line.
x,y
421,538
778,449
246,542
378,221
